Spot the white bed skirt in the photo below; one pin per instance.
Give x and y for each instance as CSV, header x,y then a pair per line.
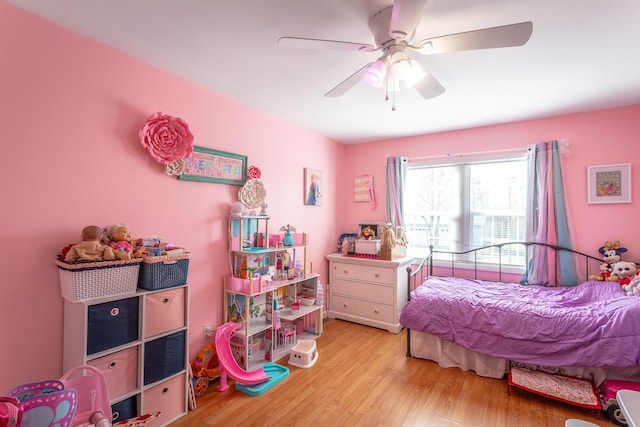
x,y
448,355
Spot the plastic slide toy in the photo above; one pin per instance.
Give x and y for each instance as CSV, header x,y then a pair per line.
x,y
228,365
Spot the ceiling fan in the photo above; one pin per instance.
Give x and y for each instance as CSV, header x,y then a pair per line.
x,y
393,29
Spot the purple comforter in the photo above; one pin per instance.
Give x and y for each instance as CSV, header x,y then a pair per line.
x,y
591,325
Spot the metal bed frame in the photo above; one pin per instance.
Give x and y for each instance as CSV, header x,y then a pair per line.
x,y
424,269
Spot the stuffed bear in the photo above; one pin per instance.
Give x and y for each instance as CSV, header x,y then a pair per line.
x,y
610,255
625,272
633,288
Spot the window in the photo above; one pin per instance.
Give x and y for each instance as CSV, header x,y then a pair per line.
x,y
456,207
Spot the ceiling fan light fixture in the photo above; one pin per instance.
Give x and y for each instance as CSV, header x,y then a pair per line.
x,y
414,74
376,73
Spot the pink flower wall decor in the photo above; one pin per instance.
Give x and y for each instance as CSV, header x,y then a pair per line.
x,y
166,138
254,172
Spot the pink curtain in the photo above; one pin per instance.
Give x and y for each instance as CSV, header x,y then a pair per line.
x,y
396,177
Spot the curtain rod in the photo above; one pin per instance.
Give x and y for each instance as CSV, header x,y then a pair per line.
x,y
470,153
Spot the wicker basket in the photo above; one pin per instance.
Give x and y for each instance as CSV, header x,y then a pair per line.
x,y
85,281
160,272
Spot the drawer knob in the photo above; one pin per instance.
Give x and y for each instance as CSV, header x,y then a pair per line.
x,y
344,305
345,271
165,390
113,364
375,311
376,275
165,300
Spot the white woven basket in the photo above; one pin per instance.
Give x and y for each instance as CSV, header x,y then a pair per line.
x,y
88,281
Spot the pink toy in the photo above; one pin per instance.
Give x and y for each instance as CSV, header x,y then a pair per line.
x,y
93,396
608,390
228,365
46,404
79,399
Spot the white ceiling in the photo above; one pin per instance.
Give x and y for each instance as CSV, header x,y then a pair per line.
x,y
583,55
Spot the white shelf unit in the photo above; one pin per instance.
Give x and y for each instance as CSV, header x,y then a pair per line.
x,y
264,270
140,343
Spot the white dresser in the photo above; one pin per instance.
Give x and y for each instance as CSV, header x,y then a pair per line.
x,y
367,291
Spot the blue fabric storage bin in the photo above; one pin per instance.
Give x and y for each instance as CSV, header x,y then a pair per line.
x,y
111,324
163,272
125,409
164,357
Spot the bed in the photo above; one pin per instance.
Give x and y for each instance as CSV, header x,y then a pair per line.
x,y
589,330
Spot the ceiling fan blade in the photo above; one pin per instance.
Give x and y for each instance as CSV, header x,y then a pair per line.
x,y
302,43
348,83
503,36
405,17
429,87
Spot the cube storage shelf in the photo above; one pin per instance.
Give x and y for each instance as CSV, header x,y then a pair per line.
x,y
263,291
140,343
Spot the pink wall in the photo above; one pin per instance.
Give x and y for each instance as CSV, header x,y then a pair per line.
x,y
70,111
597,138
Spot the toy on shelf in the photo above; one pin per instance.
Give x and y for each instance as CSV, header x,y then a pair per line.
x,y
205,368
119,238
367,233
91,248
287,335
287,240
392,247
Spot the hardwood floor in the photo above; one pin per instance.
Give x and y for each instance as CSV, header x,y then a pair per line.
x,y
363,378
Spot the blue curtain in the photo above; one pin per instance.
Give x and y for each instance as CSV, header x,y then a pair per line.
x,y
396,177
545,186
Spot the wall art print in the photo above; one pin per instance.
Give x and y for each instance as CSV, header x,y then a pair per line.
x,y
312,187
207,165
609,183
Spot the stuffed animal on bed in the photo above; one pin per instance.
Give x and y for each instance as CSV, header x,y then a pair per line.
x,y
633,288
610,255
625,271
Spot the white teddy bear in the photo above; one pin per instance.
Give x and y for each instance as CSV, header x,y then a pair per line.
x,y
633,288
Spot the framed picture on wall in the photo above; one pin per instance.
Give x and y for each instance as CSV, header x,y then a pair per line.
x,y
207,165
312,187
609,183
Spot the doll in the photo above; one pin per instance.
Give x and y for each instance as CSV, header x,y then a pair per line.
x,y
388,237
119,240
91,247
367,233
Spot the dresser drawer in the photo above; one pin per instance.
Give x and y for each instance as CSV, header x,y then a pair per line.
x,y
367,291
120,370
369,310
363,273
163,311
168,397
